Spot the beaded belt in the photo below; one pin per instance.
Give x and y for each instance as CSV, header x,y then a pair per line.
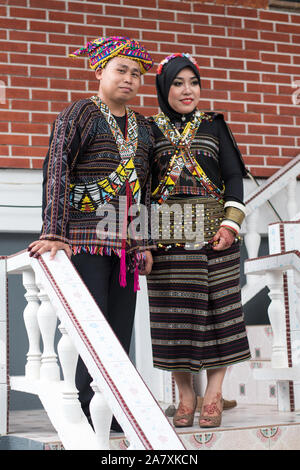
x,y
191,222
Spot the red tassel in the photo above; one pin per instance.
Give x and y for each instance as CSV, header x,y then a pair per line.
x,y
123,269
122,276
136,277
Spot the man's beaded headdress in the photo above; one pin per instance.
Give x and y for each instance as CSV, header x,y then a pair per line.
x,y
101,50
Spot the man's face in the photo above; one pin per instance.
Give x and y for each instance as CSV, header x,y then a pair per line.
x,y
119,80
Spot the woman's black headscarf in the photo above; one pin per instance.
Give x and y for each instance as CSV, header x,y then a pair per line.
x,y
164,81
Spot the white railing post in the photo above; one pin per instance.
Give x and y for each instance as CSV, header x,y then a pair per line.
x,y
296,339
68,357
4,386
252,239
47,322
101,417
118,388
276,312
297,299
33,364
291,198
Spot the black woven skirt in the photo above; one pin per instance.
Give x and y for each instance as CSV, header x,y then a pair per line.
x,y
196,315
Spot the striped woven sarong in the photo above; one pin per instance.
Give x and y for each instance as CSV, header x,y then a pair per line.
x,y
196,316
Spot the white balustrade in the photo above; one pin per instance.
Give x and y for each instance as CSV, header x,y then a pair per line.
x,y
4,386
252,239
284,315
47,321
276,312
296,339
292,206
296,310
281,191
68,357
297,289
101,417
33,365
55,291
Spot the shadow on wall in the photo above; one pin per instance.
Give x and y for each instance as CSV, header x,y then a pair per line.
x,y
256,310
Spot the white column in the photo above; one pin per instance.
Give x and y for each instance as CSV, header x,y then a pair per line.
x,y
252,240
276,312
296,339
47,322
283,394
101,417
143,348
68,357
33,364
3,349
297,299
291,198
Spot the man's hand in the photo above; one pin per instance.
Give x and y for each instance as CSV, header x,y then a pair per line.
x,y
223,239
39,247
148,264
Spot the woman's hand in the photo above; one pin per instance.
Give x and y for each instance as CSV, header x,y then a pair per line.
x,y
39,247
223,239
148,264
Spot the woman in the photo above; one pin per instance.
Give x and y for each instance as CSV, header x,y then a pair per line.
x,y
194,288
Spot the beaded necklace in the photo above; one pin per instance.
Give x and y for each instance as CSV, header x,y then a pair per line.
x,y
182,157
87,197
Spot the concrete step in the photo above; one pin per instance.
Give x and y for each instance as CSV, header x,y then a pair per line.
x,y
245,427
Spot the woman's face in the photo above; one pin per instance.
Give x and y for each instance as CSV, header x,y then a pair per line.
x,y
184,93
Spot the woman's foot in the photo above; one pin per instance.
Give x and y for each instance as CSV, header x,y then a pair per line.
x,y
185,413
227,404
211,413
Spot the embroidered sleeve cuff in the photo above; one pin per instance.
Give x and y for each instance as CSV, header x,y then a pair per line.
x,y
54,237
237,205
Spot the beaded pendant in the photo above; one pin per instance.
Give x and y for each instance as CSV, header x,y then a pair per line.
x,y
86,197
182,157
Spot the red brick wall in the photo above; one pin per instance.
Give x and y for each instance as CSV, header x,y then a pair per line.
x,y
249,57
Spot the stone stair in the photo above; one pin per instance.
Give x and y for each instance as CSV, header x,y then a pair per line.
x,y
245,427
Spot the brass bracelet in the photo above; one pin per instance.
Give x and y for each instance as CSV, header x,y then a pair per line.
x,y
234,214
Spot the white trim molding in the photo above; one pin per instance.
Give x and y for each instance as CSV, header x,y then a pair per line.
x,y
20,200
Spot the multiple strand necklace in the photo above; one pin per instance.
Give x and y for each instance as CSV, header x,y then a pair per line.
x,y
182,157
86,197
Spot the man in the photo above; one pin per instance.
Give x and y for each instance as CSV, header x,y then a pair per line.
x,y
99,151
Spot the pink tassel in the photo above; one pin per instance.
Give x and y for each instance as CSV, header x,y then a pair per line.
x,y
122,276
136,278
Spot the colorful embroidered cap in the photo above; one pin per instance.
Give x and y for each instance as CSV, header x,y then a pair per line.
x,y
101,50
172,56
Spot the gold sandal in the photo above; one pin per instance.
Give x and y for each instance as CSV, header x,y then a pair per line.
x,y
213,418
189,417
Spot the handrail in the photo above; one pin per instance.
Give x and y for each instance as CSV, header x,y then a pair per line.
x,y
272,185
277,261
3,348
285,177
280,272
143,421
